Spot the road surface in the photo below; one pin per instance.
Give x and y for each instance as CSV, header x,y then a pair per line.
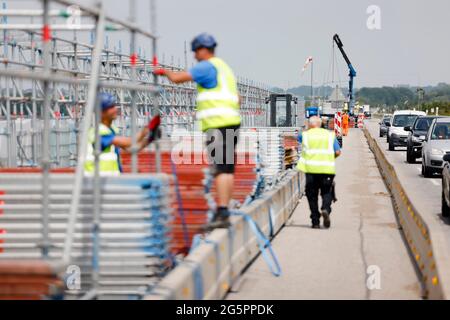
x,y
424,193
334,264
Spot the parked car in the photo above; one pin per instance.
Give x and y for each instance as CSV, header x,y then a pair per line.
x,y
383,125
416,137
397,136
446,187
436,146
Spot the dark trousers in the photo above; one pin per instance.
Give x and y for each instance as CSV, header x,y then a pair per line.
x,y
314,184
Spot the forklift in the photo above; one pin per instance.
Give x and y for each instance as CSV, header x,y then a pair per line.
x,y
283,110
284,113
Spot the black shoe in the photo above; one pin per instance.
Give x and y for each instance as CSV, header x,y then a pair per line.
x,y
326,219
221,220
315,226
223,223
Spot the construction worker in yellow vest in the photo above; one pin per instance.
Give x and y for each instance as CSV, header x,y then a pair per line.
x,y
320,149
111,142
218,105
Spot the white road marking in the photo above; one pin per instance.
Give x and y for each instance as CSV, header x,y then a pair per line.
x,y
434,182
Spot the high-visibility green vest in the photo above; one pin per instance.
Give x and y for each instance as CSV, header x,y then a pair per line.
x,y
109,160
318,156
219,107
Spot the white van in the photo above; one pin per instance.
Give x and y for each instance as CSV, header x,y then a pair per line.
x,y
397,136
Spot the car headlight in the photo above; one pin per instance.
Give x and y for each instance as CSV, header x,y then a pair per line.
x,y
417,139
437,152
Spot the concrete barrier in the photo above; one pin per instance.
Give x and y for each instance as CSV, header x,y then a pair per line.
x,y
427,243
213,267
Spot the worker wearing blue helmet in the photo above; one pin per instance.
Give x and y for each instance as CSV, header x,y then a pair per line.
x,y
111,142
218,105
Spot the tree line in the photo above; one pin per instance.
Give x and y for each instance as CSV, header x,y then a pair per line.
x,y
389,98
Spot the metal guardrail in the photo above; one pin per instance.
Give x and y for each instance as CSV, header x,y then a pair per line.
x,y
134,227
425,242
211,269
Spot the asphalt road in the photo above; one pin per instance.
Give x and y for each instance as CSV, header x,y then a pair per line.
x,y
337,263
424,193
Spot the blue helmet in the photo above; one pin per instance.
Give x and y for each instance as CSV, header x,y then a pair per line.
x,y
203,40
107,101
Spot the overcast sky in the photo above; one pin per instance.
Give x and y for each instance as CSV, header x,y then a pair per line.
x,y
269,40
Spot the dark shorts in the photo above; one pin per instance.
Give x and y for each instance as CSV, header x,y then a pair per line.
x,y
221,148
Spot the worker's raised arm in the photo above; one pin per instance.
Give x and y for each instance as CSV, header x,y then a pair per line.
x,y
122,142
146,136
126,143
175,77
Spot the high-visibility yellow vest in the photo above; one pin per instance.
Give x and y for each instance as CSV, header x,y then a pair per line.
x,y
219,107
109,160
318,156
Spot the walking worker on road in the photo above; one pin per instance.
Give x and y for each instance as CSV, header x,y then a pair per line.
x,y
345,120
218,105
320,149
111,143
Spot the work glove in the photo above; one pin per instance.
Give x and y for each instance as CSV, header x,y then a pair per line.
x,y
153,128
160,72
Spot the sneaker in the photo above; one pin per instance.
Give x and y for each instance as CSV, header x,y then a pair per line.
x,y
326,219
315,226
220,220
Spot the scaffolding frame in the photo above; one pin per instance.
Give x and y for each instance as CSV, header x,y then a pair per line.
x,y
48,79
71,66
93,82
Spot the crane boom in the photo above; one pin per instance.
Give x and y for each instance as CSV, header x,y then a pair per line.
x,y
352,72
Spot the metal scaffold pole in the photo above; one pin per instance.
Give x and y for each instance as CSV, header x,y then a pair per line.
x,y
45,162
133,62
156,110
87,121
7,94
34,119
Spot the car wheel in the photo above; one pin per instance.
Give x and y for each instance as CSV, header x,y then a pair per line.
x,y
391,145
387,138
381,134
445,207
426,172
409,157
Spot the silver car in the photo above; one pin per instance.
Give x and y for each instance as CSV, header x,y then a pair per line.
x,y
436,145
384,125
